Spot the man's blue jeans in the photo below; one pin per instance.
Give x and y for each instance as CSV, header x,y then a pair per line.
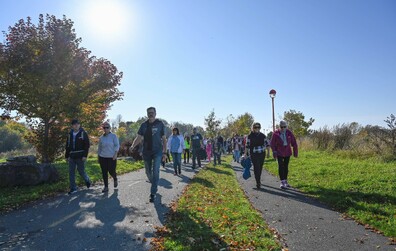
x,y
152,165
80,164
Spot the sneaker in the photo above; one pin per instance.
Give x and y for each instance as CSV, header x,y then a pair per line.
x,y
282,185
286,184
152,197
88,184
105,190
72,191
115,183
175,173
258,185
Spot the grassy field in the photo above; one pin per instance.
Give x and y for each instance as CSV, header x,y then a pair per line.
x,y
11,198
214,214
362,189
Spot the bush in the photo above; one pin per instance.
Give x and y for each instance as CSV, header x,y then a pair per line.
x,y
9,140
322,138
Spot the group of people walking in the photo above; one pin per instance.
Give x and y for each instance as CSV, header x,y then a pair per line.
x,y
156,147
283,144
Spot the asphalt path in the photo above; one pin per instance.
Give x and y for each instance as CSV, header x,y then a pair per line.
x,y
122,219
303,222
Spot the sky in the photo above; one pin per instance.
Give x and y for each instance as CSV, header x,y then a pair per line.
x,y
332,60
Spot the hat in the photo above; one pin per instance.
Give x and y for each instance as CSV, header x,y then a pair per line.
x,y
283,123
75,121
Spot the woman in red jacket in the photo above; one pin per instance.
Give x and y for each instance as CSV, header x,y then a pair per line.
x,y
281,143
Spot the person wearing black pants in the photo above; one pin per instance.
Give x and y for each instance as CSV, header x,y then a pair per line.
x,y
108,166
256,144
283,140
107,152
283,167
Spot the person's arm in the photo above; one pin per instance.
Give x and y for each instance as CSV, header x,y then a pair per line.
x,y
86,146
116,146
247,145
136,141
273,146
164,144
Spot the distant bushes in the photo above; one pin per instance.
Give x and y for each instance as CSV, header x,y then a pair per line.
x,y
12,136
354,140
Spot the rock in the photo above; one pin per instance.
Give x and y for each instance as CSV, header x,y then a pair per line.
x,y
18,173
23,159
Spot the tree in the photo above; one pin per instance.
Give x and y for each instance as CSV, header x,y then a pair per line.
x,y
391,123
212,125
183,127
46,77
243,124
297,124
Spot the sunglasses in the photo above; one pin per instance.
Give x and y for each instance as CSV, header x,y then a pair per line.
x,y
283,127
257,127
106,127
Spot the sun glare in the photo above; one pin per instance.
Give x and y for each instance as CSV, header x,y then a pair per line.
x,y
108,20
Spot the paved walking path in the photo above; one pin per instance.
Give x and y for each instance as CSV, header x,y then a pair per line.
x,y
122,219
304,223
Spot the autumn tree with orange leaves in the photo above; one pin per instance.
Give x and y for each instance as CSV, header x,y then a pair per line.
x,y
48,79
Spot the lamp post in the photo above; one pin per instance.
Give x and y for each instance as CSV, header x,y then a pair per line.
x,y
272,94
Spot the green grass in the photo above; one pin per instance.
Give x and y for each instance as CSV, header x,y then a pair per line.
x,y
362,189
213,214
11,198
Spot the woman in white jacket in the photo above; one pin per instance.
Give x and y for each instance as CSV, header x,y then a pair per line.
x,y
176,147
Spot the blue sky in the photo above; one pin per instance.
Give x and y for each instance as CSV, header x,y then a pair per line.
x,y
335,61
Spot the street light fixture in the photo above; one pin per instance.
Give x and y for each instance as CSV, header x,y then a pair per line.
x,y
272,94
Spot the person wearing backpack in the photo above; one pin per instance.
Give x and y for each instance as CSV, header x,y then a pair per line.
x,y
77,147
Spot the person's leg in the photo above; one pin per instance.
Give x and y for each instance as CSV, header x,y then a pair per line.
x,y
256,169
112,171
208,153
155,171
214,159
104,167
178,155
81,171
219,158
237,156
148,165
194,157
260,161
287,159
174,162
72,174
188,155
184,156
281,170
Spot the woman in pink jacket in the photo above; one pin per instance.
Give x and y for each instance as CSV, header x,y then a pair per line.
x,y
281,143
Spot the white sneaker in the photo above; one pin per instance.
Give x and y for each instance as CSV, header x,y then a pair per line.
x,y
287,184
282,185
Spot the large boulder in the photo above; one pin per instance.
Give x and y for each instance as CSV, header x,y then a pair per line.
x,y
25,171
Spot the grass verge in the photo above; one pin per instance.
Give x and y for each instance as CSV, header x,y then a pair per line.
x,y
11,198
214,214
362,189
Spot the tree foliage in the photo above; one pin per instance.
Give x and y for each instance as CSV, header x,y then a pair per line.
x,y
47,78
212,125
296,123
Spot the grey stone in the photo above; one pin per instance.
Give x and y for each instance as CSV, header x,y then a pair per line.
x,y
23,159
26,174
